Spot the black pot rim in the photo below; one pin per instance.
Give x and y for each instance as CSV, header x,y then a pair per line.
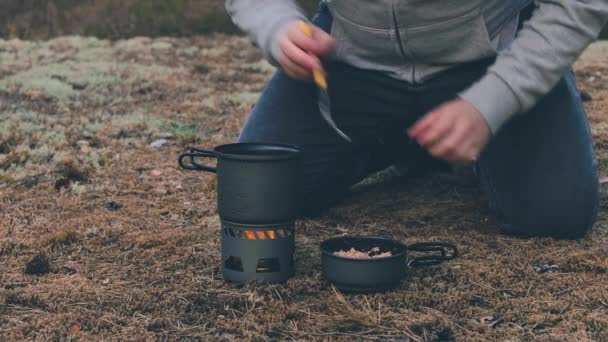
x,y
237,151
327,253
257,225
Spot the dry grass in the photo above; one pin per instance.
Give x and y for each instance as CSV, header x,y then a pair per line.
x,y
132,242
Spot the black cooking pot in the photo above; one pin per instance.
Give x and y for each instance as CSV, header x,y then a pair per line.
x,y
256,183
377,274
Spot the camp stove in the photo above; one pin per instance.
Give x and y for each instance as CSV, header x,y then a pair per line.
x,y
257,199
258,252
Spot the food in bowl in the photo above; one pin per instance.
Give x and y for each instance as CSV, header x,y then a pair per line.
x,y
374,253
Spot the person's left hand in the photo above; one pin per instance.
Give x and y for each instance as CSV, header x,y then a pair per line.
x,y
455,131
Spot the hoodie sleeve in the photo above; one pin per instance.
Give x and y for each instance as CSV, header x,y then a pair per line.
x,y
263,20
544,49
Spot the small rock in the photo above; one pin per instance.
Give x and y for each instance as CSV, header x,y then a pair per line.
x,y
545,268
75,329
486,319
490,321
39,265
156,173
221,317
585,96
79,85
155,327
62,183
201,69
91,231
84,146
105,281
87,134
113,206
159,143
69,270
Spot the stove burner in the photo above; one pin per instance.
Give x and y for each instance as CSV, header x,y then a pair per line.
x,y
258,252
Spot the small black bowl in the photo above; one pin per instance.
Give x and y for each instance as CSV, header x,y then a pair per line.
x,y
377,274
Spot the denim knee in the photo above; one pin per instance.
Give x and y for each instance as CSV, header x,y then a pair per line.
x,y
570,216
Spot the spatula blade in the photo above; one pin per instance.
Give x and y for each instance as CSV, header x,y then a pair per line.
x,y
325,109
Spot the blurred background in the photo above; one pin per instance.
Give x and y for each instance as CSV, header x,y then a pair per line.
x,y
42,19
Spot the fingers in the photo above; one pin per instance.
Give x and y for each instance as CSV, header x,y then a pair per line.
x,y
294,70
325,43
456,132
432,129
319,44
422,125
299,51
453,145
300,57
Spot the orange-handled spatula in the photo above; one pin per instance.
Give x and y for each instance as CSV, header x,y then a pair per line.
x,y
321,82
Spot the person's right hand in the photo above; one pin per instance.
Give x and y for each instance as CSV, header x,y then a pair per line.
x,y
299,53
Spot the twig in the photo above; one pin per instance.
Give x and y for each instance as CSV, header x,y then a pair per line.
x,y
437,312
567,290
315,223
529,290
406,331
564,309
110,322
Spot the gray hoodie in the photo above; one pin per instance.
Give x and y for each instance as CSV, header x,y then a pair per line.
x,y
413,40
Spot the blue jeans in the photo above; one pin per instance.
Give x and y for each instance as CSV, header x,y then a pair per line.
x,y
539,172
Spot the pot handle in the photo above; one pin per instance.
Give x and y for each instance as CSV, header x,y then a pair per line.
x,y
447,251
196,153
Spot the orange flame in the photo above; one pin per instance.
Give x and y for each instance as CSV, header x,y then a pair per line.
x,y
250,235
271,234
261,235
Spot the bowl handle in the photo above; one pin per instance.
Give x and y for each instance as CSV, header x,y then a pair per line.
x,y
196,153
447,251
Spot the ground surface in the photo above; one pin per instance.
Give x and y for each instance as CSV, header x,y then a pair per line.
x,y
132,242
